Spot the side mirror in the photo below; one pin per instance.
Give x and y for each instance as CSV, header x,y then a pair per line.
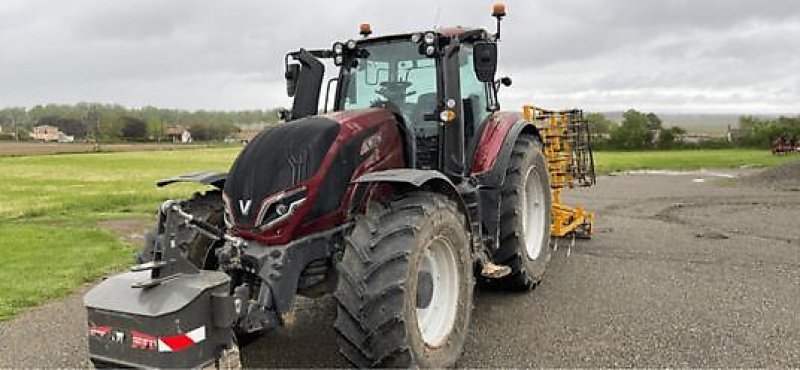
x,y
485,60
292,72
284,115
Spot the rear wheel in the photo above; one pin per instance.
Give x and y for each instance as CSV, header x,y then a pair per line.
x,y
405,285
525,216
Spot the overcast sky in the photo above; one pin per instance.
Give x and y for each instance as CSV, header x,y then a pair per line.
x,y
737,56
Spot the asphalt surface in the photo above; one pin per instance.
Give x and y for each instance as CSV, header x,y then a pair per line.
x,y
686,270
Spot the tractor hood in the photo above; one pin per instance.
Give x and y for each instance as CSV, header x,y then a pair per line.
x,y
278,159
295,179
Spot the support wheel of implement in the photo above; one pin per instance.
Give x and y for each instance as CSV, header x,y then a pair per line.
x,y
197,247
525,207
405,285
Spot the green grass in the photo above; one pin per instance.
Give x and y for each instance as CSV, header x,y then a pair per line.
x,y
50,204
610,161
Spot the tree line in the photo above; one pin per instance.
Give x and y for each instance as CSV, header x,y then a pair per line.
x,y
761,133
112,122
639,130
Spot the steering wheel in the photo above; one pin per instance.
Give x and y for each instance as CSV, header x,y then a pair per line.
x,y
395,90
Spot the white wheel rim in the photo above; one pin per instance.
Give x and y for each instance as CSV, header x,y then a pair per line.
x,y
436,320
533,213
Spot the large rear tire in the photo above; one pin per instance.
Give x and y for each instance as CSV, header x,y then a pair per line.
x,y
525,216
405,285
198,248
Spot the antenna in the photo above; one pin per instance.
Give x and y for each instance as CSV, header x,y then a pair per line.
x,y
436,18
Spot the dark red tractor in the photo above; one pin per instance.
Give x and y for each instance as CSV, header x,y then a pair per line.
x,y
414,187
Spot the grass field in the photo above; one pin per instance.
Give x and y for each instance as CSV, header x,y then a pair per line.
x,y
609,161
50,206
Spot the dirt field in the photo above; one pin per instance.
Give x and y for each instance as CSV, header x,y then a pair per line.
x,y
686,270
34,148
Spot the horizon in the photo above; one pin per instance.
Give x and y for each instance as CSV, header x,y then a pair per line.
x,y
503,108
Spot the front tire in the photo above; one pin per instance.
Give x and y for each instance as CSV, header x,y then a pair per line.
x,y
197,247
525,216
405,285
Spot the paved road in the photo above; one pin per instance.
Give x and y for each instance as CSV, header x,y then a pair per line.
x,y
682,273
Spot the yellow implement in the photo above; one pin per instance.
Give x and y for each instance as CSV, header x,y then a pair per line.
x,y
567,147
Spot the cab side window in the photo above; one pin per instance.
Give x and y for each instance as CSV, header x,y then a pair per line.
x,y
473,92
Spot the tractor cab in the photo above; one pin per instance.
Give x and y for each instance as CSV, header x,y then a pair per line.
x,y
439,84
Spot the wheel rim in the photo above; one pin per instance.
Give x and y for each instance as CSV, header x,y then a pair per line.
x,y
437,292
533,214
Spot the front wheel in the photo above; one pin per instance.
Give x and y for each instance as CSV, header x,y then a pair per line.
x,y
197,247
405,285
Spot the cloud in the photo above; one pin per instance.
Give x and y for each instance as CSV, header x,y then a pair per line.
x,y
679,55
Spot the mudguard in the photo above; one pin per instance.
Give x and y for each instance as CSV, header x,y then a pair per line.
x,y
491,179
411,176
417,178
215,179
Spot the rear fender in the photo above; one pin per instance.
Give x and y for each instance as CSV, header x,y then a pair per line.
x,y
215,179
492,177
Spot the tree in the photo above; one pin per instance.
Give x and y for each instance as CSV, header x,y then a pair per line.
x,y
72,127
633,133
654,121
599,125
133,128
14,120
204,131
670,137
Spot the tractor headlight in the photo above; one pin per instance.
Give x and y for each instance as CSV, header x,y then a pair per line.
x,y
351,44
338,60
416,37
338,48
280,207
430,38
430,50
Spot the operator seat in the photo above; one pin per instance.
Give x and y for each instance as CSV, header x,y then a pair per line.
x,y
426,133
426,104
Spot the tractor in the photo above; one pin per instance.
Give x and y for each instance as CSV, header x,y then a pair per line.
x,y
414,187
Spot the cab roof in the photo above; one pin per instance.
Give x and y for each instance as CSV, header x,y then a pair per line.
x,y
462,33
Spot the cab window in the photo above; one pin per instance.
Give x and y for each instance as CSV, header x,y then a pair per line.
x,y
473,92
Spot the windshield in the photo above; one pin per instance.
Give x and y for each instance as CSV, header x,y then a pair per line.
x,y
395,73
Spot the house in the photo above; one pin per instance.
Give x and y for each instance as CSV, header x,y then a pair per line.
x,y
242,137
6,135
696,138
45,133
64,138
734,135
179,134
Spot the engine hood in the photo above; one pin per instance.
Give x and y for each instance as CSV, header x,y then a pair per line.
x,y
279,158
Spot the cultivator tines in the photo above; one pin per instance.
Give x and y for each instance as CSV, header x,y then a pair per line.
x,y
580,145
570,162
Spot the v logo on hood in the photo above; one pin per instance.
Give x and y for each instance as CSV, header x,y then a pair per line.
x,y
244,206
